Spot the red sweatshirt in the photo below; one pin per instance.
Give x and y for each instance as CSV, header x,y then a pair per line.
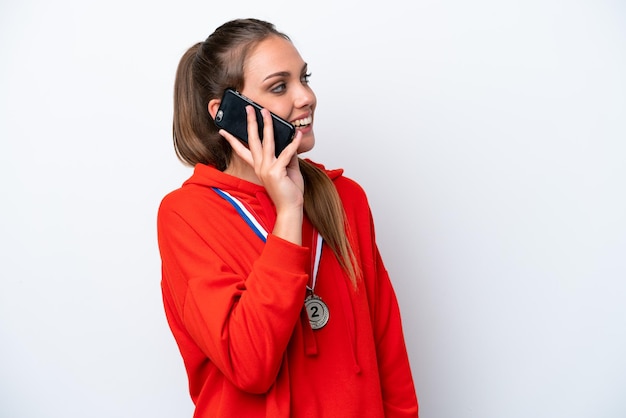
x,y
235,307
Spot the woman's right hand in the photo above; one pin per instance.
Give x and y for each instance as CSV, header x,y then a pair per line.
x,y
280,175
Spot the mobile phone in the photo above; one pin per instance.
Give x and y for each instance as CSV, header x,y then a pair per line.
x,y
231,116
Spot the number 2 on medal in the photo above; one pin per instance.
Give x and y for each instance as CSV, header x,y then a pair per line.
x,y
313,311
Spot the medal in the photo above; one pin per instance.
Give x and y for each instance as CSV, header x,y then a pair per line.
x,y
317,311
316,308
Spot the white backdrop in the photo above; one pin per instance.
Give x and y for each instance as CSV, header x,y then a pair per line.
x,y
489,135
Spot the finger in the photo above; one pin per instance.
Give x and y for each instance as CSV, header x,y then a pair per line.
x,y
291,150
268,133
238,147
254,142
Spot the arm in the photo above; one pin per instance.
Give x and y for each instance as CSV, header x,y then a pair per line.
x,y
396,380
398,389
242,322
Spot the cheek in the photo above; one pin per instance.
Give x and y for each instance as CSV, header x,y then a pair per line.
x,y
283,110
277,108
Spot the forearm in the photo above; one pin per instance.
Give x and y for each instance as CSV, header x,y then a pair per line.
x,y
250,332
288,225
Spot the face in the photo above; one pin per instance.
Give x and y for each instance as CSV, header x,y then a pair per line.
x,y
276,77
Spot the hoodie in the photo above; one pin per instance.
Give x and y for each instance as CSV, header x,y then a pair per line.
x,y
235,306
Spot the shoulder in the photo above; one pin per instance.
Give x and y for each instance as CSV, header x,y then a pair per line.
x,y
349,188
190,205
187,197
196,193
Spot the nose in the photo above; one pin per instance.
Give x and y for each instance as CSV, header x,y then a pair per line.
x,y
304,96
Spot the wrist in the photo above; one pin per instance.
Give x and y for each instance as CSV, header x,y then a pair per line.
x,y
288,225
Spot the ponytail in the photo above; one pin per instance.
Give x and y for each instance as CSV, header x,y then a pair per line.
x,y
195,138
324,209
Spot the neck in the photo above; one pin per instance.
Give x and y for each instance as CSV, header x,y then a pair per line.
x,y
239,168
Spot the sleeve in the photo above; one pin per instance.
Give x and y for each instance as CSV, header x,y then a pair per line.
x,y
398,389
399,397
241,321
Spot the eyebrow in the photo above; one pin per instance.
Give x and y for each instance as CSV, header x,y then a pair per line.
x,y
285,73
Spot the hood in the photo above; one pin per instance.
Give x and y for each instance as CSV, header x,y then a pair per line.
x,y
209,176
333,174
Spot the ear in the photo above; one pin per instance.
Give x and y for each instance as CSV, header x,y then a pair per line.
x,y
214,105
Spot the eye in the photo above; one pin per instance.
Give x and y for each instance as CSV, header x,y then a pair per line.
x,y
279,88
305,78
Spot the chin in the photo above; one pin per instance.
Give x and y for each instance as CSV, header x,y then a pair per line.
x,y
307,144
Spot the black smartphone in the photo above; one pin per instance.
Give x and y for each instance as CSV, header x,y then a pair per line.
x,y
231,116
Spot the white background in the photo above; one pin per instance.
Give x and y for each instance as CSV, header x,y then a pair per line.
x,y
489,136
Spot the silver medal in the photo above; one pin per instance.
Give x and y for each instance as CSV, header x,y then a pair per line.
x,y
317,311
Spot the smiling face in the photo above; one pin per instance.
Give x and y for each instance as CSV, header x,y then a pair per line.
x,y
276,77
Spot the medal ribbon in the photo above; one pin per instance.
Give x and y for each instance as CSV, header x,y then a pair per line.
x,y
260,231
252,222
317,245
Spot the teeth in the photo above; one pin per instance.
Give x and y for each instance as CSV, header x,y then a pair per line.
x,y
303,122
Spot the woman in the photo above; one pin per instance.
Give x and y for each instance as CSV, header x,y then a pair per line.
x,y
273,285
